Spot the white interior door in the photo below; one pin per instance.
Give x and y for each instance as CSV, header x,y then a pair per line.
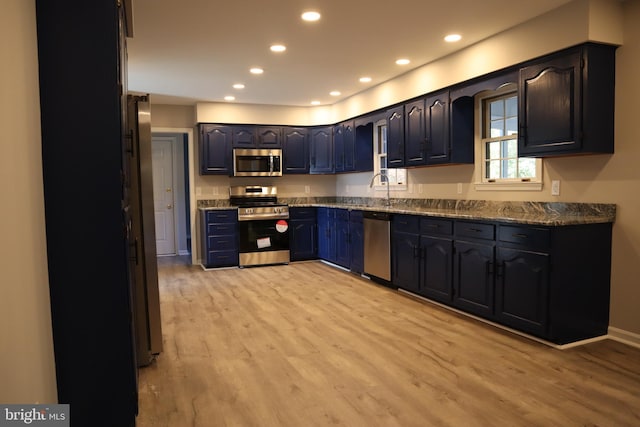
x,y
163,196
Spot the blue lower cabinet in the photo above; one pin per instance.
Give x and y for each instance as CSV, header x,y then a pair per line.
x,y
220,238
356,242
303,234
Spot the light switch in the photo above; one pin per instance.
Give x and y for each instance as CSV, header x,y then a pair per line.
x,y
555,187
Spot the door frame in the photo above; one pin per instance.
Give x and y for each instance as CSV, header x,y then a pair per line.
x,y
192,177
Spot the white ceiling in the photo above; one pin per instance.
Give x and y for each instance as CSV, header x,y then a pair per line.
x,y
195,50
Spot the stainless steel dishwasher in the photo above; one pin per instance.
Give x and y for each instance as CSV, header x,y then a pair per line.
x,y
377,244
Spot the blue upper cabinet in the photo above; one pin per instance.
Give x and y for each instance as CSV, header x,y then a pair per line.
x,y
243,136
295,150
338,148
321,150
437,128
215,150
364,144
344,147
414,134
269,137
566,103
395,137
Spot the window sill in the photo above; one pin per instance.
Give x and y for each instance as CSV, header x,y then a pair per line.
x,y
508,186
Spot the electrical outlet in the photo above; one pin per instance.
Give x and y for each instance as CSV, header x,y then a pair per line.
x,y
459,188
555,187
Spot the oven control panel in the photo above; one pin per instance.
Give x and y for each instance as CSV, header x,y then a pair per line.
x,y
263,212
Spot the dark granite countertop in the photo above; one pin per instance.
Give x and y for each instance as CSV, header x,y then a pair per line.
x,y
534,213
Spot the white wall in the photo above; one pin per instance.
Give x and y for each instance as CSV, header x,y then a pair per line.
x,y
27,370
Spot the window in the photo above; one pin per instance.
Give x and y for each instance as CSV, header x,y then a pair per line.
x,y
501,168
397,176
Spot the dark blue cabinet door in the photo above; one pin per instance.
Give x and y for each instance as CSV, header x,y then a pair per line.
x,y
437,268
215,150
364,147
326,234
437,128
338,148
522,290
321,144
244,136
269,137
473,273
405,267
395,137
414,134
295,150
356,240
303,239
349,151
343,257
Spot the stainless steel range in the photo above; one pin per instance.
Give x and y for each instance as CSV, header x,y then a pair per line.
x,y
263,225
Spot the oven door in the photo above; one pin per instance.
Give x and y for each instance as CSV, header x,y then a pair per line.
x,y
264,241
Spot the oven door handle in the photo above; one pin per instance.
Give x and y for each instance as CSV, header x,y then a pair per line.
x,y
259,217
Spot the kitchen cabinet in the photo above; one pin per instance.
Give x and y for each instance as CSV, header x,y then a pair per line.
x,y
304,232
344,147
566,103
436,257
216,150
343,253
473,267
219,243
437,128
405,252
414,133
364,144
269,137
395,137
356,242
333,236
321,150
243,136
295,150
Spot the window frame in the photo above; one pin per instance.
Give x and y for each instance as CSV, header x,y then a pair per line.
x,y
379,184
482,183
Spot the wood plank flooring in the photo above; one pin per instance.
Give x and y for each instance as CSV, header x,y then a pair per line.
x,y
309,345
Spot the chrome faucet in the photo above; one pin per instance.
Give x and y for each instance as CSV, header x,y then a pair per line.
x,y
382,175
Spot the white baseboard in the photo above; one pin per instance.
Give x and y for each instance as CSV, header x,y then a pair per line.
x,y
183,252
626,337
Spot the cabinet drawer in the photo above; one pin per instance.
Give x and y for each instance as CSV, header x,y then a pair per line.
x,y
222,243
222,258
302,213
222,216
221,229
436,226
475,230
526,236
406,223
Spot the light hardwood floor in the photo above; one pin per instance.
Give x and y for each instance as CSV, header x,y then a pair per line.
x,y
309,345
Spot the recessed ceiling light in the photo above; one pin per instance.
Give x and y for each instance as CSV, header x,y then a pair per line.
x,y
238,86
311,15
365,79
256,70
315,102
278,48
452,38
402,61
229,98
335,93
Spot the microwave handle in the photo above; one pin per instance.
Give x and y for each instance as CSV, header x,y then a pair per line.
x,y
271,164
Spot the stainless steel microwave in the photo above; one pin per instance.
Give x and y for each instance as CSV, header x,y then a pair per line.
x,y
257,162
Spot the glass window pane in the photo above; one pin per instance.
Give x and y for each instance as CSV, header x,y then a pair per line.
x,y
510,168
511,107
526,168
511,126
493,169
497,128
511,148
493,150
497,110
